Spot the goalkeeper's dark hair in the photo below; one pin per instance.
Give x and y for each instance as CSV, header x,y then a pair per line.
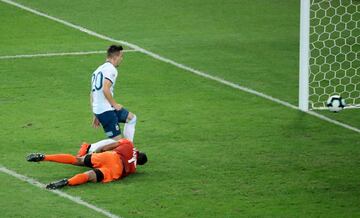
x,y
141,159
113,50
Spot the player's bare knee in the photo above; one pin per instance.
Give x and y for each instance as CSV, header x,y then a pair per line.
x,y
92,176
98,176
79,161
131,118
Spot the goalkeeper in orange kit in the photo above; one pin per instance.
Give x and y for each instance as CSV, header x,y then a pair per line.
x,y
115,160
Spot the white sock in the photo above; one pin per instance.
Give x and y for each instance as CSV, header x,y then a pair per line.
x,y
97,146
129,129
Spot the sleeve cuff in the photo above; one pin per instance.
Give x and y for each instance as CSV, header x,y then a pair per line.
x,y
109,80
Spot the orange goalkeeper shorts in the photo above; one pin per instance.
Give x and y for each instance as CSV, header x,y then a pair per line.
x,y
109,163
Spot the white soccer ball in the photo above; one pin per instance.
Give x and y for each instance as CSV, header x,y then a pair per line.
x,y
335,103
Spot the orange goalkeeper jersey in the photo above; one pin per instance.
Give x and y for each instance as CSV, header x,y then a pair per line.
x,y
128,155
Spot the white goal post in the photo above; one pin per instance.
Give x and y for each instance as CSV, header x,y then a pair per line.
x,y
329,52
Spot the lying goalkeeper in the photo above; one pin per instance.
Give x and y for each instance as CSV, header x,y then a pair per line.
x,y
113,160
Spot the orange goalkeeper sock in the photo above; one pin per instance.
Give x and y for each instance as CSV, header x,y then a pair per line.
x,y
78,179
61,158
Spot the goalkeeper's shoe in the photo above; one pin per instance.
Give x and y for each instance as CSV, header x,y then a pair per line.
x,y
84,149
57,184
35,157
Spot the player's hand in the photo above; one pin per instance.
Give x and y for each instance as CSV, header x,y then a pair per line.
x,y
96,122
117,107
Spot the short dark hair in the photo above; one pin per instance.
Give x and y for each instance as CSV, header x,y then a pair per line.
x,y
142,158
113,49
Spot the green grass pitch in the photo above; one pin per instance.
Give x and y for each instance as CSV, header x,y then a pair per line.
x,y
213,151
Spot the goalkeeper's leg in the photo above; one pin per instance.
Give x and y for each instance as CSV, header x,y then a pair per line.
x,y
58,158
81,178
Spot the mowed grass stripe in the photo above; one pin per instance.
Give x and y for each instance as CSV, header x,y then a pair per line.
x,y
206,143
26,33
57,54
39,36
184,67
18,199
212,150
57,192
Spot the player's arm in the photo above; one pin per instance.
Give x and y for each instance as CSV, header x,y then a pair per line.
x,y
108,96
95,121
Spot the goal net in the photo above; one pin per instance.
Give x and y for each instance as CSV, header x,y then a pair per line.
x,y
333,52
